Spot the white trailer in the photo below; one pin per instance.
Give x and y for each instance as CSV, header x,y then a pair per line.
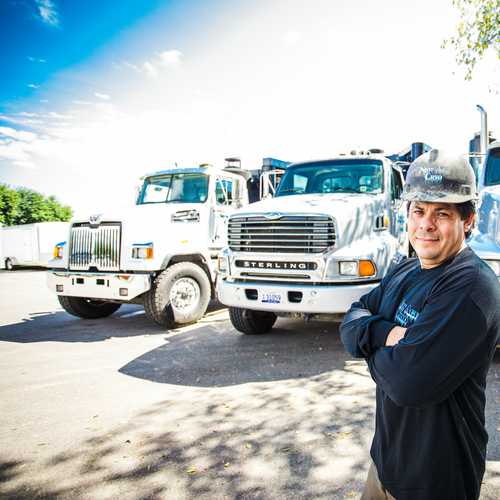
x,y
30,244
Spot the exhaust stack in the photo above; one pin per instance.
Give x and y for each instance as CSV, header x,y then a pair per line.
x,y
484,139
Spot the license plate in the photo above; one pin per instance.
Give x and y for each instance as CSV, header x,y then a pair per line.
x,y
270,298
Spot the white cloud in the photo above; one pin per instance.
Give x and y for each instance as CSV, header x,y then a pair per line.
x,y
48,12
18,153
104,97
60,116
21,120
150,69
36,59
18,135
169,57
81,103
153,67
33,86
292,37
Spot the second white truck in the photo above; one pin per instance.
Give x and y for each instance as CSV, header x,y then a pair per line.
x,y
328,236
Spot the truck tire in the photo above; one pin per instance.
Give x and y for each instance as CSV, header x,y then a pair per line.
x,y
87,308
251,322
178,296
8,265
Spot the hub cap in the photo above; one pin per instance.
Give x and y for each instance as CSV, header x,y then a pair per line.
x,y
184,294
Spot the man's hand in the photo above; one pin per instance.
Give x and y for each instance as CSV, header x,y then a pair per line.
x,y
395,335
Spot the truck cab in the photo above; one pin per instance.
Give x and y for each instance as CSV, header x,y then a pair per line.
x,y
327,236
485,240
161,253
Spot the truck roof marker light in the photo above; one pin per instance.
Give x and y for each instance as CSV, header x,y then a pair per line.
x,y
366,268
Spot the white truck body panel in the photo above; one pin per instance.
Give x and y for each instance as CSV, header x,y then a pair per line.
x,y
32,244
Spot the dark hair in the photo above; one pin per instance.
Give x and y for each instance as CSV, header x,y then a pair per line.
x,y
465,209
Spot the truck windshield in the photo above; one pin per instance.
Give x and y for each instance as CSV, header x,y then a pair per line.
x,y
336,176
493,168
174,188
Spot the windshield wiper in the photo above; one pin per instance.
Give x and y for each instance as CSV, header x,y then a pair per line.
x,y
291,190
346,190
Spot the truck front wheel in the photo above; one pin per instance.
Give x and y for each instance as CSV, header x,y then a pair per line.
x,y
179,295
9,265
87,308
251,322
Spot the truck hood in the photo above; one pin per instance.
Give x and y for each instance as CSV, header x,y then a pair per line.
x,y
354,213
334,204
141,213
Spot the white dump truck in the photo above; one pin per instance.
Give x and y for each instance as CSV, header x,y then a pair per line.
x,y
30,244
327,237
161,254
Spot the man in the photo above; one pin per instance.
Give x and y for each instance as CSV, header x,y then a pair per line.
x,y
428,333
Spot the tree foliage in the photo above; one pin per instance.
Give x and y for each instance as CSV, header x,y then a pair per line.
x,y
477,31
25,206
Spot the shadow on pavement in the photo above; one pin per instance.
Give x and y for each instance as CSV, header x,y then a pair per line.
x,y
212,356
59,326
303,438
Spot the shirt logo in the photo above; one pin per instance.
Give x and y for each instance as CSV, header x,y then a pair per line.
x,y
406,314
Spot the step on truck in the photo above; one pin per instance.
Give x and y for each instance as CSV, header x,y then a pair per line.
x,y
161,254
327,237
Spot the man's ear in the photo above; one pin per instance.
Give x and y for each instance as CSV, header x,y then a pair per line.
x,y
469,222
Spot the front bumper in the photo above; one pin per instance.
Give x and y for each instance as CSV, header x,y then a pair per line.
x,y
98,285
327,299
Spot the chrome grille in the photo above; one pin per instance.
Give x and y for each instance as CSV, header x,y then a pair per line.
x,y
97,247
287,234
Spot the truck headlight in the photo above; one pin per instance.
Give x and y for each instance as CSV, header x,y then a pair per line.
x,y
358,268
495,265
142,251
348,268
59,250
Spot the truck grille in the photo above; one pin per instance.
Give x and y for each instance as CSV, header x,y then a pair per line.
x,y
97,247
288,234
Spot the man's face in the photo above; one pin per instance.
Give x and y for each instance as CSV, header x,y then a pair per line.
x,y
436,231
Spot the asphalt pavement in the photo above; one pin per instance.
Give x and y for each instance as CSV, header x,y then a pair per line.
x,y
121,408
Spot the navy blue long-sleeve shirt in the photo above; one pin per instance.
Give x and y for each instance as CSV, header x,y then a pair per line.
x,y
430,437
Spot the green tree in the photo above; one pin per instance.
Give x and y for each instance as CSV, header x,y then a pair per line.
x,y
9,205
58,211
25,206
32,207
477,31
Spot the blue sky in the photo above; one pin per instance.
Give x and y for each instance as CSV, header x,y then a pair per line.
x,y
95,94
42,37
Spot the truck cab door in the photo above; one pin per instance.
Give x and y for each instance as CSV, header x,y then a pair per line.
x,y
226,200
398,215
